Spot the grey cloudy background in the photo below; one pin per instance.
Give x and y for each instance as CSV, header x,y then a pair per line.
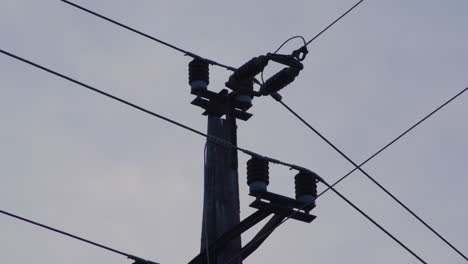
x,y
96,168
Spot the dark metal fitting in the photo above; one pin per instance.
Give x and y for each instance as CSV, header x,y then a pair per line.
x,y
288,60
301,53
276,96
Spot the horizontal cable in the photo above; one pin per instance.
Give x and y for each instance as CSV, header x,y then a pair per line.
x,y
193,55
137,259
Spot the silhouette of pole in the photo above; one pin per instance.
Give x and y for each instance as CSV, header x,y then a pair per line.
x,y
221,209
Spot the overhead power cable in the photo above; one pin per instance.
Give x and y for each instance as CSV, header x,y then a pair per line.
x,y
137,259
334,22
211,139
398,138
232,68
193,55
268,232
358,167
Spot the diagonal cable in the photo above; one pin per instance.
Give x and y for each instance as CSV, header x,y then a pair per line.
x,y
137,259
398,138
358,167
193,55
268,232
334,22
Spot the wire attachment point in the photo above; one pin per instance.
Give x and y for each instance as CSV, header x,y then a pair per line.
x,y
301,53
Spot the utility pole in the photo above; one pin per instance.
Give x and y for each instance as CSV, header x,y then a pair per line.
x,y
221,209
221,225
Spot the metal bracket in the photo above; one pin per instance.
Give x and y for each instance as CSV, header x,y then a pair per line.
x,y
215,104
282,205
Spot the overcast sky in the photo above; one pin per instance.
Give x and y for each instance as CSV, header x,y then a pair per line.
x,y
99,169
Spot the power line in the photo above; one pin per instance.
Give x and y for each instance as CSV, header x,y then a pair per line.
x,y
181,125
193,55
334,22
374,222
103,93
232,68
211,139
398,138
358,167
137,259
367,160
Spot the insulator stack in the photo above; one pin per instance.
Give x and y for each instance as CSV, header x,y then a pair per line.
x,y
279,80
306,187
198,75
257,174
247,71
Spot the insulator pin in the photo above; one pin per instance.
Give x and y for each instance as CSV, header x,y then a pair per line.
x,y
279,80
306,187
198,74
257,174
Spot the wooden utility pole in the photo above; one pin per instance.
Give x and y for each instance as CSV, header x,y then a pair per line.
x,y
221,210
222,228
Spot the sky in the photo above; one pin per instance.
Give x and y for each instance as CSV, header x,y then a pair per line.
x,y
96,168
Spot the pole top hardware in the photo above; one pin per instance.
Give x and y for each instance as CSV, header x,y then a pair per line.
x,y
288,60
301,53
241,83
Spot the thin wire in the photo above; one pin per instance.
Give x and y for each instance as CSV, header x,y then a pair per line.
x,y
373,221
289,39
103,93
398,138
358,167
367,160
211,139
193,55
67,234
333,23
232,68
